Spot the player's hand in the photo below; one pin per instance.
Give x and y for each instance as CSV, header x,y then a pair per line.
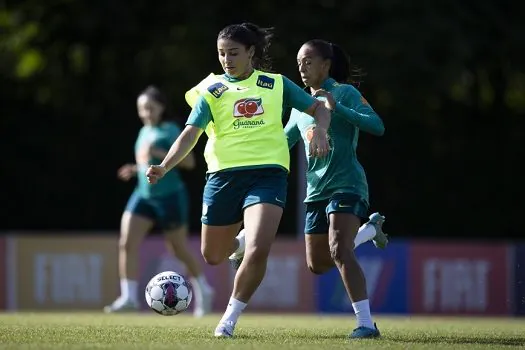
x,y
155,173
319,145
330,101
127,171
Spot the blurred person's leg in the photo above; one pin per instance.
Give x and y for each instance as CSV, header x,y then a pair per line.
x,y
172,214
137,220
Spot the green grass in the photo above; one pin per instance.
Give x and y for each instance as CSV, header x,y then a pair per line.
x,y
150,331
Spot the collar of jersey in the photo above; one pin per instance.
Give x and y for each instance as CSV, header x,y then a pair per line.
x,y
328,84
235,80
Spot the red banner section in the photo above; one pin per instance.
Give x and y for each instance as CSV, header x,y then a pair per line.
x,y
73,271
455,278
3,275
288,285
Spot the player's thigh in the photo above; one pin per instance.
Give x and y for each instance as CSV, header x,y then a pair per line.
x,y
263,207
137,220
261,222
177,238
216,241
345,213
316,236
221,218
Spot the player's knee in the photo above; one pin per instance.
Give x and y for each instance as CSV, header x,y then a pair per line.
x,y
317,268
257,254
338,251
124,244
211,257
178,248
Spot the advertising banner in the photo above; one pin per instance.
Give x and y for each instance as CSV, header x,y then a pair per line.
x,y
287,287
386,279
519,280
66,272
3,277
459,278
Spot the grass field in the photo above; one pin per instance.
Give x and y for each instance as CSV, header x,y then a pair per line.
x,y
151,331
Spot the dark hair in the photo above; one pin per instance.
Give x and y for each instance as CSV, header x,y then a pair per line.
x,y
341,68
250,34
158,96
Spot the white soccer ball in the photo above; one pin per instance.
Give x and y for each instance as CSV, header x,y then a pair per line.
x,y
168,293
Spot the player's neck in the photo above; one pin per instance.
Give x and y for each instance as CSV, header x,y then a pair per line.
x,y
317,85
246,74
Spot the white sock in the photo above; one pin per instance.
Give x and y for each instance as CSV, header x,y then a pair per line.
x,y
362,313
366,233
240,248
128,289
233,311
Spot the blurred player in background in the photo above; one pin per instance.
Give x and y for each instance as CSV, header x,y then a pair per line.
x,y
165,204
247,155
337,190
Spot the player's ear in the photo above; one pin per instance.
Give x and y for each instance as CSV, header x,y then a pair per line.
x,y
327,64
251,52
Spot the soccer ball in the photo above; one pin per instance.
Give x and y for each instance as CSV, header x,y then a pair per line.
x,y
168,293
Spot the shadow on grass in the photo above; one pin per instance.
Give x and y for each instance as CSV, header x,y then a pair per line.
x,y
516,341
294,336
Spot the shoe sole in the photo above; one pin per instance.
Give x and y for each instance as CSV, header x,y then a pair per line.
x,y
382,241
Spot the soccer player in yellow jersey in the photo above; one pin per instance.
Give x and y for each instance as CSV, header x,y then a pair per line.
x,y
247,155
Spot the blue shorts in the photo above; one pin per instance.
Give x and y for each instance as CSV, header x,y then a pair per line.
x,y
169,212
317,212
227,193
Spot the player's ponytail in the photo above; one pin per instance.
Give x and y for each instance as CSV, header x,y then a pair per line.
x,y
341,68
249,35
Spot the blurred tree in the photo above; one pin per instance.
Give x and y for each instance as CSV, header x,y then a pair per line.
x,y
447,77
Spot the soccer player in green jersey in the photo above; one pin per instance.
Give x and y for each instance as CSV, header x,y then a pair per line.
x,y
247,155
165,205
337,190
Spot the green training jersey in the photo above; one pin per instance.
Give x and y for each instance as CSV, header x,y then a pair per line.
x,y
339,171
160,136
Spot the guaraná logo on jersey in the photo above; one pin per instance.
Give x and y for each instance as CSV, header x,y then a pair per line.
x,y
248,107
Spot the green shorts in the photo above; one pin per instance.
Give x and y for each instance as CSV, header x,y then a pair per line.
x,y
227,193
317,212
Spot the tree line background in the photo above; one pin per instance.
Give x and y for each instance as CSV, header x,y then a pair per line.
x,y
447,78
